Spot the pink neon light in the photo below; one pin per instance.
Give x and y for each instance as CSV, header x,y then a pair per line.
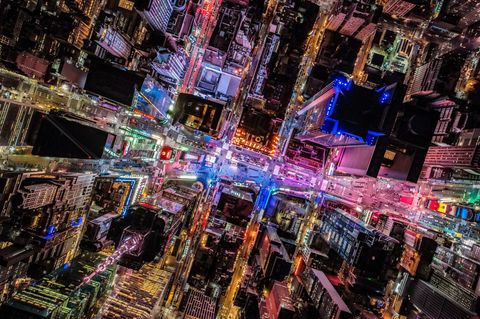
x,y
129,244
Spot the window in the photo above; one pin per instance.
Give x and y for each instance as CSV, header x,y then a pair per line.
x,y
126,4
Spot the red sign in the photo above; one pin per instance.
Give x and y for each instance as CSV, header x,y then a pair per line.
x,y
433,204
438,206
406,199
166,153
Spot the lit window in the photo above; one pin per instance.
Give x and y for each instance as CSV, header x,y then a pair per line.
x,y
126,4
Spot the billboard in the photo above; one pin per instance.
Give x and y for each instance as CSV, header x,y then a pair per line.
x,y
153,99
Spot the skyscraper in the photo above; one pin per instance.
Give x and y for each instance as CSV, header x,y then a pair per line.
x,y
156,12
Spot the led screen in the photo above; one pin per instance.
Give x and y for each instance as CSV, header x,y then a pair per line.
x,y
153,99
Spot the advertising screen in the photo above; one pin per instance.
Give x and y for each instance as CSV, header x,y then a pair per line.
x,y
153,99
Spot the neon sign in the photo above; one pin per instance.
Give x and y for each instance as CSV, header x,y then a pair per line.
x,y
128,245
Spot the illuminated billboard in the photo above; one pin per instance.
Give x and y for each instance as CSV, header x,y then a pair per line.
x,y
468,213
166,153
153,99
